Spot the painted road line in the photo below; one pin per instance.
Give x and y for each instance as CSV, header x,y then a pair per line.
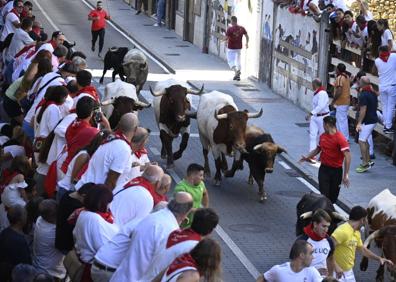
x,y
227,239
46,15
156,133
285,165
136,44
313,189
154,151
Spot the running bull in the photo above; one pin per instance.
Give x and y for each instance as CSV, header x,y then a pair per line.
x,y
260,156
221,128
307,206
172,113
381,220
129,65
120,98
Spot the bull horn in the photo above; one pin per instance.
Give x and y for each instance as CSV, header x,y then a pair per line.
x,y
220,116
142,104
306,215
255,148
155,94
370,238
107,102
339,216
255,115
196,92
191,114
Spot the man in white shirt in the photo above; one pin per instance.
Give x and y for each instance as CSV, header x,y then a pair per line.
x,y
136,201
298,269
45,256
7,8
182,241
114,156
320,109
11,21
20,39
150,238
386,66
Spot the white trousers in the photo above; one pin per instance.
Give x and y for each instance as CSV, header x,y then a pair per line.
x,y
349,276
388,103
315,130
234,59
342,120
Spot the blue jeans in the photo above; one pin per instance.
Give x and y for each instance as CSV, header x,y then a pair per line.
x,y
161,4
29,131
9,69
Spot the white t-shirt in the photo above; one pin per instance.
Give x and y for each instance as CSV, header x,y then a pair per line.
x,y
172,277
131,203
320,103
45,256
133,171
90,233
66,181
50,118
59,139
283,273
385,37
11,195
148,239
114,155
55,82
8,25
113,252
7,8
20,39
386,71
168,255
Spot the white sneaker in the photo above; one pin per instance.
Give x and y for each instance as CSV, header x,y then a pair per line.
x,y
155,24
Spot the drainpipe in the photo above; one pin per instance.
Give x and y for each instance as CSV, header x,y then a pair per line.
x,y
206,39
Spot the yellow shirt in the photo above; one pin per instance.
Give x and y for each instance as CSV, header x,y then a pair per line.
x,y
347,241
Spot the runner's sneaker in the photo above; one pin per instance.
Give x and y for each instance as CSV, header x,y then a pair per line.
x,y
389,130
363,168
371,163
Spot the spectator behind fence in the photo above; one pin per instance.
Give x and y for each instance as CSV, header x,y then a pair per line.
x,y
386,67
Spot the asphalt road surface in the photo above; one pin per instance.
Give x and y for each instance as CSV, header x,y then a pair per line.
x,y
253,236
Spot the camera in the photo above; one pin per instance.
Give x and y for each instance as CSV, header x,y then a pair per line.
x,y
97,116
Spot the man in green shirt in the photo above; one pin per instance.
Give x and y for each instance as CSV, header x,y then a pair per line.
x,y
194,185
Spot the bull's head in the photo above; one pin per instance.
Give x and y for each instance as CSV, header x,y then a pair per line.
x,y
236,126
269,150
175,97
135,68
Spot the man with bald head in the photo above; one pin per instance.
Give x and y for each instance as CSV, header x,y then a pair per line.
x,y
368,104
150,236
320,109
137,198
114,156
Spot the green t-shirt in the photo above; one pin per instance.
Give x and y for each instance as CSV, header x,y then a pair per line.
x,y
196,192
10,92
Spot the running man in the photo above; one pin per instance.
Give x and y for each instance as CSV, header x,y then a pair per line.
x,y
98,18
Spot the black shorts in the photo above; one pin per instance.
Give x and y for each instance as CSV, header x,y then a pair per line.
x,y
11,107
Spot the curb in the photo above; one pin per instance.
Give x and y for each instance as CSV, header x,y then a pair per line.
x,y
143,46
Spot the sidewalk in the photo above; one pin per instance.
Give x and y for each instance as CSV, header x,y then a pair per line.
x,y
284,120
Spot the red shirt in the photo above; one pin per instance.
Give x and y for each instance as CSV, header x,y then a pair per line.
x,y
332,149
235,34
101,22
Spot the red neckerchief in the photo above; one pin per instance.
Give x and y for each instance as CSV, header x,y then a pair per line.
x,y
24,14
140,181
75,126
308,230
362,26
52,42
139,153
91,90
7,177
180,262
72,219
15,12
182,235
367,88
321,88
116,135
341,23
44,103
37,30
384,56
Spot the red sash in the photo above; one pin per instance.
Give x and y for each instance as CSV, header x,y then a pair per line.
x,y
182,235
44,102
180,262
140,153
72,219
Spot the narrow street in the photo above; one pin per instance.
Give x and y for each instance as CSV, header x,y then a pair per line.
x,y
253,236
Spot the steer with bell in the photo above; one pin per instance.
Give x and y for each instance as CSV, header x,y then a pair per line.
x,y
222,129
172,110
261,151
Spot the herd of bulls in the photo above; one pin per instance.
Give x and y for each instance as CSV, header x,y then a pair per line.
x,y
223,129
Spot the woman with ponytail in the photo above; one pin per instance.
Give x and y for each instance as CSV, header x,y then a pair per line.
x,y
47,116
